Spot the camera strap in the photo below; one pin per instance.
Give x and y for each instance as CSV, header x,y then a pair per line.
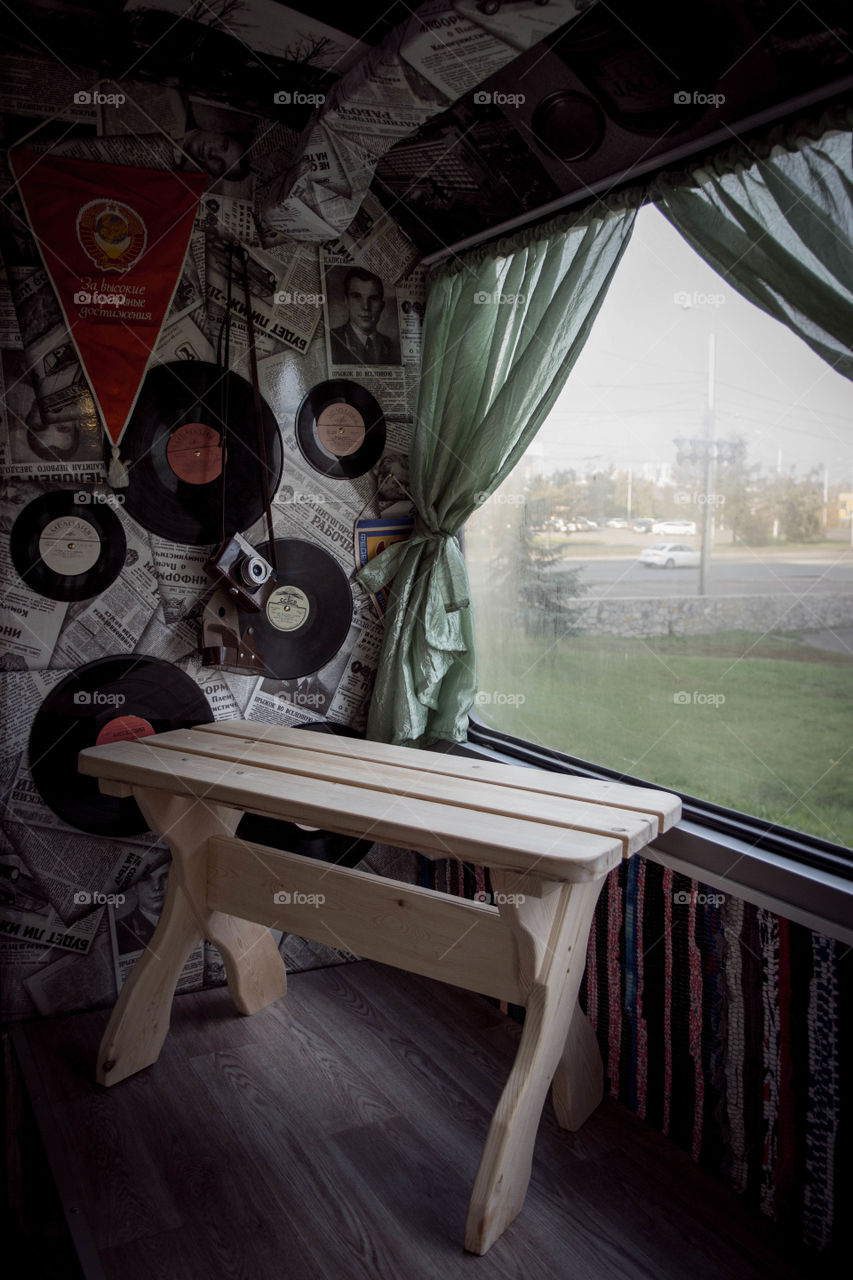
x,y
223,359
223,642
259,411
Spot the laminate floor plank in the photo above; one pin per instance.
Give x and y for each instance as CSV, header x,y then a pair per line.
x,y
574,1170
322,1083
412,1077
328,1205
562,1184
337,1134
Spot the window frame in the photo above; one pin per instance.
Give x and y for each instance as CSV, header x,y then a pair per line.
x,y
800,877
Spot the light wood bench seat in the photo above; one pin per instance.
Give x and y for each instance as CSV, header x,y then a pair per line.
x,y
548,839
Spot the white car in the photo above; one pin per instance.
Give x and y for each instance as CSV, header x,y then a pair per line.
x,y
669,555
678,527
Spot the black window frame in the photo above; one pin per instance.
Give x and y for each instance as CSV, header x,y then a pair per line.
x,y
803,878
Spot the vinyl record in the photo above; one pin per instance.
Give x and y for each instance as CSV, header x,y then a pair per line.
x,y
173,448
311,842
570,126
308,615
68,544
340,429
111,699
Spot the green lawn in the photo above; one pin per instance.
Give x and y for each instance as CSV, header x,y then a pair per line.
x,y
763,725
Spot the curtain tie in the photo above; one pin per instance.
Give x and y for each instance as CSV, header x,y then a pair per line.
x,y
424,532
380,571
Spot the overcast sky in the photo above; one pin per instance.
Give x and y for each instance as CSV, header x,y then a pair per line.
x,y
642,378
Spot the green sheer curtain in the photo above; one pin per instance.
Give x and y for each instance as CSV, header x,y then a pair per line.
x,y
502,330
776,222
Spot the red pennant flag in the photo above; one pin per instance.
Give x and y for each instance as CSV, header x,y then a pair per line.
x,y
113,239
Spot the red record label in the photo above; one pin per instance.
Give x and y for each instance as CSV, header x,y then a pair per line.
x,y
123,729
194,453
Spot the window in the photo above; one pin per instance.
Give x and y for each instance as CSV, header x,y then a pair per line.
x,y
664,586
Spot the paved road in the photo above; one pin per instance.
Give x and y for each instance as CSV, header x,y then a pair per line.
x,y
729,576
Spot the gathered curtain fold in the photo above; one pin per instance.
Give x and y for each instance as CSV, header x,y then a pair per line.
x,y
502,330
776,222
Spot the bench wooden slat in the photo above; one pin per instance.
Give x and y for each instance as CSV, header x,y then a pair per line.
x,y
662,804
435,934
471,835
634,830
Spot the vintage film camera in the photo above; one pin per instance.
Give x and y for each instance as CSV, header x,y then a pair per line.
x,y
245,581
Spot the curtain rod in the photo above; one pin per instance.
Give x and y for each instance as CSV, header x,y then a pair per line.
x,y
769,116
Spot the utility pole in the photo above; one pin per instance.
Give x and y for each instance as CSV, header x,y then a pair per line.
x,y
630,479
708,472
778,474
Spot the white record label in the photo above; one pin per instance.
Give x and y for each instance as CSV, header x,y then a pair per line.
x,y
288,608
69,545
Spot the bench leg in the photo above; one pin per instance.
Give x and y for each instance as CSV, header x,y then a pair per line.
x,y
256,976
253,966
551,937
579,1079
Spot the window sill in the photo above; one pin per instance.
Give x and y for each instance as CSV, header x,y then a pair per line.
x,y
810,896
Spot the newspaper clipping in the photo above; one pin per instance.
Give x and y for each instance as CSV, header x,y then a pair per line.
x,y
77,909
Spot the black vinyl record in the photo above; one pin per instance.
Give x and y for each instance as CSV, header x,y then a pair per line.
x,y
127,696
173,449
311,842
340,429
68,544
308,614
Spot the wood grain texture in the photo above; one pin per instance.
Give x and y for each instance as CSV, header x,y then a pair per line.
x,y
282,1146
551,998
140,1020
663,804
578,1084
431,933
461,791
489,839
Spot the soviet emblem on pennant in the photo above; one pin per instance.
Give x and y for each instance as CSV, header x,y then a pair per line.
x,y
112,234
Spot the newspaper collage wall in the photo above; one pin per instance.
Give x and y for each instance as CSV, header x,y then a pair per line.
x,y
75,908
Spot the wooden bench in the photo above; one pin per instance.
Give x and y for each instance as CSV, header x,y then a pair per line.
x,y
548,839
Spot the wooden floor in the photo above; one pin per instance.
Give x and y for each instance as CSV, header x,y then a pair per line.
x,y
337,1134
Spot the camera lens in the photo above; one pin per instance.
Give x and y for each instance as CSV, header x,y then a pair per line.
x,y
254,571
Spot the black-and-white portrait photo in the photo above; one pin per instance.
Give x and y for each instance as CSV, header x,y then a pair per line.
x,y
362,318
